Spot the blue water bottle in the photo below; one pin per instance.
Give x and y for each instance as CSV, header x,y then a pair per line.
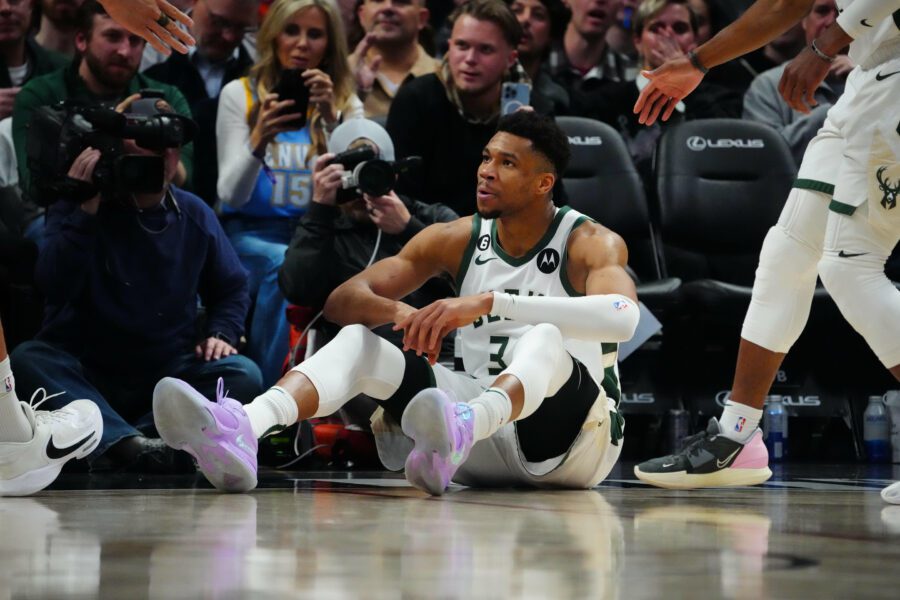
x,y
876,431
775,428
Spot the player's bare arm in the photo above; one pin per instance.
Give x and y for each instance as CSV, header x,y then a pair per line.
x,y
672,82
596,264
371,298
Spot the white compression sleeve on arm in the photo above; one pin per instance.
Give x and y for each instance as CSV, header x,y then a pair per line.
x,y
607,317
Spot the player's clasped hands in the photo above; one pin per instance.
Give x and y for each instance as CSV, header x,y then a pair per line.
x,y
157,21
424,329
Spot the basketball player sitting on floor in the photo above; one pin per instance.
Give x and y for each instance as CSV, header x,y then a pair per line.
x,y
543,301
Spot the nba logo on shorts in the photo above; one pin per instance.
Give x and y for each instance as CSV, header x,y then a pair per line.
x,y
620,305
8,383
739,426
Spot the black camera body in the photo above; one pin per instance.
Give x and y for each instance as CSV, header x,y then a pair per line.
x,y
366,174
58,133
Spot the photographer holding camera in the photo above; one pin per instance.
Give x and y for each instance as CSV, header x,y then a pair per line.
x,y
122,272
345,230
104,72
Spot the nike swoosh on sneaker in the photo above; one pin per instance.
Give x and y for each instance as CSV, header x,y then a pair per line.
x,y
864,23
667,465
880,77
54,452
478,260
721,464
843,254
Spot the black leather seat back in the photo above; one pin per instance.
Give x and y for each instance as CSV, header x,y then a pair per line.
x,y
601,182
721,183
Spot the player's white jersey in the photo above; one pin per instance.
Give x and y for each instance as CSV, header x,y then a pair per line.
x,y
877,36
487,344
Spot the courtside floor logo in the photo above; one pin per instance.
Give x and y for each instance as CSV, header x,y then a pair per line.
x,y
698,143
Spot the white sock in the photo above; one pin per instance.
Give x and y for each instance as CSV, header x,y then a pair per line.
x,y
14,427
492,410
271,412
739,421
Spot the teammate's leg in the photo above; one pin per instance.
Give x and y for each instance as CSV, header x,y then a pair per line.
x,y
779,308
14,427
223,435
445,431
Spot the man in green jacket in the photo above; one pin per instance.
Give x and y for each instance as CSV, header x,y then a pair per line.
x,y
103,72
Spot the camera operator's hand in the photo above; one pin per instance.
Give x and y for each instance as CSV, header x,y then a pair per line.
x,y
364,70
388,212
7,99
321,93
141,17
82,169
213,348
326,180
270,122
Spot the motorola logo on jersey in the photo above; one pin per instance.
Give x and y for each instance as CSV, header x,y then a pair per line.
x,y
698,144
548,260
484,242
585,140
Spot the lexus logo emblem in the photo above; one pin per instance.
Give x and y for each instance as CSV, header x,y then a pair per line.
x,y
696,143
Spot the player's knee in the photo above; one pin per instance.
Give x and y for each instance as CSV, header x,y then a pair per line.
x,y
784,259
353,334
549,335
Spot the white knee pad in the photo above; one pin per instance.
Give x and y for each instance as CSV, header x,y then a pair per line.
x,y
782,292
541,364
867,299
355,362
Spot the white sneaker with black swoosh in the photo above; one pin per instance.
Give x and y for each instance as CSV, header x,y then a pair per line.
x,y
59,436
709,460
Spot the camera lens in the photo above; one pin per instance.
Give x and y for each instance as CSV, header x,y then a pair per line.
x,y
376,178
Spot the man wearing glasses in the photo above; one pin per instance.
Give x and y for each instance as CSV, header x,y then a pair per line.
x,y
219,56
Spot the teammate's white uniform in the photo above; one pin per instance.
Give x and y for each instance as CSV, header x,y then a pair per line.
x,y
487,346
859,136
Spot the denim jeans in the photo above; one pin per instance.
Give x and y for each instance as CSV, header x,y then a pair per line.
x,y
125,400
260,244
34,231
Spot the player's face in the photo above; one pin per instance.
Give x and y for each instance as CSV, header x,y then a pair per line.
x,y
478,55
672,26
823,14
534,18
509,176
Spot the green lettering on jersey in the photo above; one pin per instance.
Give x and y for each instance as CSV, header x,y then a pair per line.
x,y
497,364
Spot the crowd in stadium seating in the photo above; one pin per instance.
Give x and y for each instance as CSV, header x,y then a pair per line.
x,y
214,276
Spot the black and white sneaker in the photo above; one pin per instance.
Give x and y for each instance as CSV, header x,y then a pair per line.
x,y
709,460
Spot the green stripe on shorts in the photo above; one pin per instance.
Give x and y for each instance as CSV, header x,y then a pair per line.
x,y
840,207
814,185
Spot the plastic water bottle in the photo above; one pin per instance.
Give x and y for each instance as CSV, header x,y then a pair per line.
x,y
876,431
775,428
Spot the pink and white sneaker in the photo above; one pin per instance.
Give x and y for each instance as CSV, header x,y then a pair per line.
x,y
709,460
443,432
218,434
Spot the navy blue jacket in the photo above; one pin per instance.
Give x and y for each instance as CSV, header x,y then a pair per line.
x,y
122,285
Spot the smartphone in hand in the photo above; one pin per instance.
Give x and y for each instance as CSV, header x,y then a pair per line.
x,y
514,96
291,87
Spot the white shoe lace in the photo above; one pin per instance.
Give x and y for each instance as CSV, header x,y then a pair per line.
x,y
47,415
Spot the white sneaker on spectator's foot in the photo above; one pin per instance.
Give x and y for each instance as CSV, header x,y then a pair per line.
x,y
59,436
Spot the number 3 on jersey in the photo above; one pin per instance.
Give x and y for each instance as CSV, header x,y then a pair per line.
x,y
496,366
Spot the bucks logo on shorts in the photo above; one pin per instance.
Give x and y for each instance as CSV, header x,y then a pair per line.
x,y
888,188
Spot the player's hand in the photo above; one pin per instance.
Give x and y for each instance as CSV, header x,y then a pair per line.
x,y
669,85
424,329
141,17
388,212
326,180
801,79
213,348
